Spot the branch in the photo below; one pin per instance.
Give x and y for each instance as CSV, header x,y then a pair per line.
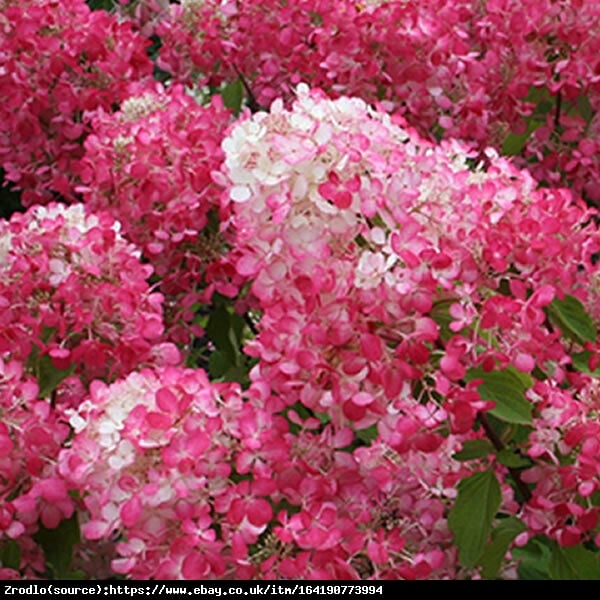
x,y
253,105
558,109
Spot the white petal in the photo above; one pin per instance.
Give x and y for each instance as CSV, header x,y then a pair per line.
x,y
240,193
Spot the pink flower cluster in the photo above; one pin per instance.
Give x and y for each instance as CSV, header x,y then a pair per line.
x,y
75,298
58,61
75,306
561,506
152,455
149,165
195,480
386,268
31,490
455,69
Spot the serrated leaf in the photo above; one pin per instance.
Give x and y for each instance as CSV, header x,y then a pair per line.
x,y
507,389
502,536
10,555
233,95
508,458
470,518
474,449
574,563
570,315
58,545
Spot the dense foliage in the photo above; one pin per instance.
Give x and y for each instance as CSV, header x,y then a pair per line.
x,y
299,289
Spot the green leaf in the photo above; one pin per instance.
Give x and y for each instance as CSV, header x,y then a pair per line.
x,y
581,362
238,329
107,5
536,94
440,313
514,143
236,373
502,536
569,314
474,449
217,330
233,95
323,417
507,389
534,559
470,518
47,334
315,18
367,435
508,458
574,563
10,200
49,377
75,576
10,555
218,364
58,545
585,108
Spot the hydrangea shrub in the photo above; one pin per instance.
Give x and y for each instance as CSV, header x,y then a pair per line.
x,y
321,339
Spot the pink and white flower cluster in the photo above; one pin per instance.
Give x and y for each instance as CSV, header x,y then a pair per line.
x,y
197,480
387,267
461,69
74,290
149,165
75,302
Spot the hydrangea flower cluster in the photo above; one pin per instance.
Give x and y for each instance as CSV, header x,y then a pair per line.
x,y
75,306
58,61
561,506
75,297
163,461
149,165
389,271
370,513
460,69
31,490
155,458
